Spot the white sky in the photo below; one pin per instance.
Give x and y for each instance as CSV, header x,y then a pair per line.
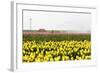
x,y
56,21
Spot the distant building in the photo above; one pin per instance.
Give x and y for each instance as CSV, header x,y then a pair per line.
x,y
41,30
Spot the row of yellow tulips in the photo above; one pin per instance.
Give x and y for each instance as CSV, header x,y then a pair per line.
x,y
44,51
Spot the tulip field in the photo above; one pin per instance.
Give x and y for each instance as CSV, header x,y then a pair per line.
x,y
50,48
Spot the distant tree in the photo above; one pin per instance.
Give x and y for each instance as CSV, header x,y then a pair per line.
x,y
52,31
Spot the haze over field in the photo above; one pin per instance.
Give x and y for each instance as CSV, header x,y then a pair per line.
x,y
56,21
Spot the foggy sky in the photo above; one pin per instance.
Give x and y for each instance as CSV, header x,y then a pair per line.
x,y
56,21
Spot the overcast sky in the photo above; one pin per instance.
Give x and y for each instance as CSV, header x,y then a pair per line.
x,y
56,21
